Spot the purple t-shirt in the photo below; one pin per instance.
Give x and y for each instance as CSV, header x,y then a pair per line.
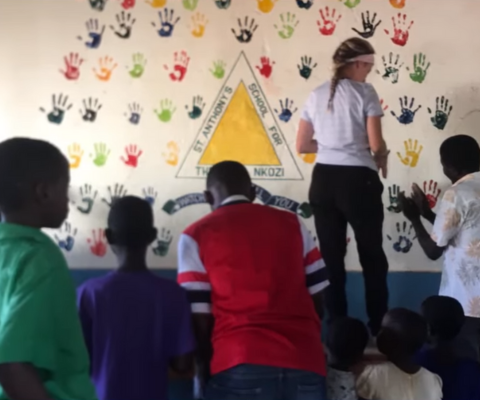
x,y
134,323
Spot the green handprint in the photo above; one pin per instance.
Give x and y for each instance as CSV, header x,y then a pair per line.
x,y
167,109
288,25
88,198
441,114
218,70
139,63
393,192
420,68
190,5
101,154
163,243
351,3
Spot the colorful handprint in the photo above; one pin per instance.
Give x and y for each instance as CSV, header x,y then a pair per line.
x,y
72,66
401,31
266,67
199,23
180,66
327,22
60,105
287,27
75,154
171,157
106,65
98,243
412,153
442,112
132,154
167,23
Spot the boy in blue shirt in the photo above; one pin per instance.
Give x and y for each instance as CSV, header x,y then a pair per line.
x,y
136,324
445,317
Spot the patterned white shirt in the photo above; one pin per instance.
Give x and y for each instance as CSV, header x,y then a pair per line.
x,y
457,227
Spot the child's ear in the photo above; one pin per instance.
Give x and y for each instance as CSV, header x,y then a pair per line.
x,y
209,197
110,236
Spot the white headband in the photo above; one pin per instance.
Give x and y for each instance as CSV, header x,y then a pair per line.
x,y
366,58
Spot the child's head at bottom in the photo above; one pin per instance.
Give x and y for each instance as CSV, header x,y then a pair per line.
x,y
347,339
444,316
34,179
402,335
131,226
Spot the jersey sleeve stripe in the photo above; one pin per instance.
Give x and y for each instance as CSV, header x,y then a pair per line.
x,y
199,296
189,285
201,308
187,277
189,255
319,276
318,287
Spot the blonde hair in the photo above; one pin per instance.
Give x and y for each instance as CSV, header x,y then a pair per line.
x,y
347,50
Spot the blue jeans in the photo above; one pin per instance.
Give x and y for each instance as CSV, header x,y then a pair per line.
x,y
256,382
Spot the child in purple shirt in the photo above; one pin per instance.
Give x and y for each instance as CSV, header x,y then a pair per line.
x,y
136,324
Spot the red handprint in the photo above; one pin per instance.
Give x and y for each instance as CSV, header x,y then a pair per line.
x,y
98,243
384,107
328,22
432,192
132,156
72,66
400,30
266,67
126,4
180,66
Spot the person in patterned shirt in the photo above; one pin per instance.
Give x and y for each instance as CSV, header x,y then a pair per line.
x,y
456,232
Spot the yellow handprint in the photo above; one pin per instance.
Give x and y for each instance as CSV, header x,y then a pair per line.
x,y
75,153
106,67
266,5
412,153
172,156
156,3
199,23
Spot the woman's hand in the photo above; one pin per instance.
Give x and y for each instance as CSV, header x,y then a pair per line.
x,y
382,160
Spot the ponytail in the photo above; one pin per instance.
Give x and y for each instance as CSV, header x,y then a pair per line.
x,y
333,88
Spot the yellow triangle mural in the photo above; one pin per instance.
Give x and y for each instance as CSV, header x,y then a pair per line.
x,y
240,135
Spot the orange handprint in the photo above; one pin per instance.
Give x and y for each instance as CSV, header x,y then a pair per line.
x,y
397,3
106,67
75,153
308,158
266,6
172,156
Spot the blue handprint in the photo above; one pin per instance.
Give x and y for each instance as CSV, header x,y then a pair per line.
x,y
286,111
223,4
68,237
134,114
306,4
60,105
95,34
150,195
405,240
407,114
166,23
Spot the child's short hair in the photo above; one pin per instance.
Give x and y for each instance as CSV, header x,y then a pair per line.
x,y
403,331
131,223
444,316
347,339
23,163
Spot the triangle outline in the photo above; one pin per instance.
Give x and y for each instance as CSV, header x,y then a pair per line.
x,y
288,170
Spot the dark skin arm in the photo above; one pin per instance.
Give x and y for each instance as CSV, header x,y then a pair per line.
x,y
318,303
21,382
412,212
203,328
182,365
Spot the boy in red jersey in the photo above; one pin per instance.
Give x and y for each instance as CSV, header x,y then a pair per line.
x,y
257,273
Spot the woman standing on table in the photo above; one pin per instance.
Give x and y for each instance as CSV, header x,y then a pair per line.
x,y
341,123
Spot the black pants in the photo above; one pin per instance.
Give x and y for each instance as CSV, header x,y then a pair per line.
x,y
353,195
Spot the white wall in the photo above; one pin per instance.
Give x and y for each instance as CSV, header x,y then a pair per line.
x,y
37,34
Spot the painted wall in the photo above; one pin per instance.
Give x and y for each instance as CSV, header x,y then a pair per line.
x,y
143,96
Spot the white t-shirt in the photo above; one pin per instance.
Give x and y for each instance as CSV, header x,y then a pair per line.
x,y
341,133
387,382
457,226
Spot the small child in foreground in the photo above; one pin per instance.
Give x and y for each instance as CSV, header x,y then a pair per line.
x,y
135,323
347,339
402,335
42,351
461,377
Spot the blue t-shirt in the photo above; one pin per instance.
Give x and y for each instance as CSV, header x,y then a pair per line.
x,y
134,323
461,378
341,133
